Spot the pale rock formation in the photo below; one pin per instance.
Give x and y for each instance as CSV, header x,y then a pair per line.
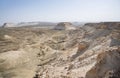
x,y
65,26
107,66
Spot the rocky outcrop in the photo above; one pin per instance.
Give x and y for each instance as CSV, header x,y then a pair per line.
x,y
107,65
65,26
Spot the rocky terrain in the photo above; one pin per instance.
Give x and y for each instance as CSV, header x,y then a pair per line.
x,y
90,51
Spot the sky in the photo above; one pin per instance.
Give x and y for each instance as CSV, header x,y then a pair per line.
x,y
59,10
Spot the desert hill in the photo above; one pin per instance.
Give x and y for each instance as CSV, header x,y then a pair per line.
x,y
65,26
90,51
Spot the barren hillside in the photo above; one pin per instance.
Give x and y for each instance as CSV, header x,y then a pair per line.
x,y
92,51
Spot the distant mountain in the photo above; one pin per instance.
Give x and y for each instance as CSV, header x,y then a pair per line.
x,y
78,23
36,24
5,25
65,26
31,24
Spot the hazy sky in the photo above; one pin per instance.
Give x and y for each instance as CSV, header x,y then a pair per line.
x,y
59,10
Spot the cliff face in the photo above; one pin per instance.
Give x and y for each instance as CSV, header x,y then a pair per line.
x,y
105,25
91,52
107,65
